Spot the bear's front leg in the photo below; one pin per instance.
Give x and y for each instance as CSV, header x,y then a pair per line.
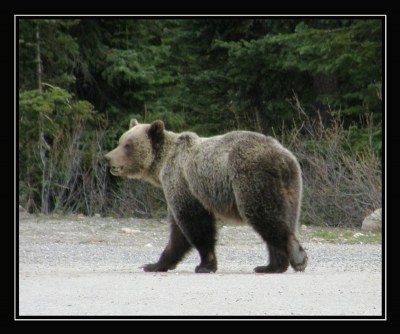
x,y
198,225
208,263
195,222
175,250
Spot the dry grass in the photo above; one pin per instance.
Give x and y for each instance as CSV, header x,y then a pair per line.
x,y
341,187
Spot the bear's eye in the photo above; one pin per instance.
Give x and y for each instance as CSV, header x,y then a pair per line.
x,y
127,147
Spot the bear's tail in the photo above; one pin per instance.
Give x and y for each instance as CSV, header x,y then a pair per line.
x,y
297,256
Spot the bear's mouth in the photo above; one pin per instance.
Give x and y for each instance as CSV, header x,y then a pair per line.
x,y
116,170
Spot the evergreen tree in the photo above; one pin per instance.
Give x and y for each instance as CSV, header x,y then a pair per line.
x,y
79,76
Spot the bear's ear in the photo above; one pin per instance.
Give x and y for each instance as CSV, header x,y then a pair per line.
x,y
156,129
133,123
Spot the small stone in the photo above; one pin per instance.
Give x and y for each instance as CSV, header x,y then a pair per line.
x,y
148,246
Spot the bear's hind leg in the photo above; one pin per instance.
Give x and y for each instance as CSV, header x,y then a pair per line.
x,y
278,261
264,209
275,233
175,250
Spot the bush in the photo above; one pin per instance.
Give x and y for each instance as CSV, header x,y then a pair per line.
x,y
62,143
340,185
134,198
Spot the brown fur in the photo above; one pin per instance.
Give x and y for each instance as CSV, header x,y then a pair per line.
x,y
242,176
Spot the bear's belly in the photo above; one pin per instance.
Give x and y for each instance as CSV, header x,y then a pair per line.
x,y
220,207
232,215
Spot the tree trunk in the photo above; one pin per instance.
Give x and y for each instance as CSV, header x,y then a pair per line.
x,y
145,113
39,60
45,206
45,187
324,84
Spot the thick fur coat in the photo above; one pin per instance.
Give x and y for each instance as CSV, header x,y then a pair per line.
x,y
242,175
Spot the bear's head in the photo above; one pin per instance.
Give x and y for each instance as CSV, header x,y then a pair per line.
x,y
137,151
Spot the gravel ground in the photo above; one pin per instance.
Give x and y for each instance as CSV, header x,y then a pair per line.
x,y
90,266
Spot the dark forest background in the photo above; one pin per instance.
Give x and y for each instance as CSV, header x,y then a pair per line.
x,y
315,84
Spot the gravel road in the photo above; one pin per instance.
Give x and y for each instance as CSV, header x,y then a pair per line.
x,y
88,266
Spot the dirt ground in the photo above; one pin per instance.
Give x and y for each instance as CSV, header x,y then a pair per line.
x,y
89,266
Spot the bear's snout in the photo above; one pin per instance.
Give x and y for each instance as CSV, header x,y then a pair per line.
x,y
114,164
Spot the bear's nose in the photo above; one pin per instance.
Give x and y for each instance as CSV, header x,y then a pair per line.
x,y
107,158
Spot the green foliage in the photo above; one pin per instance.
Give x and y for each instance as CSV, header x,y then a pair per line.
x,y
56,109
51,125
360,139
205,75
342,64
59,52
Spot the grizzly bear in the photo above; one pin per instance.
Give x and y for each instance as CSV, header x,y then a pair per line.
x,y
242,175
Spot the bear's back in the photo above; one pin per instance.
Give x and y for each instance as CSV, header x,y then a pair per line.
x,y
211,164
224,148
